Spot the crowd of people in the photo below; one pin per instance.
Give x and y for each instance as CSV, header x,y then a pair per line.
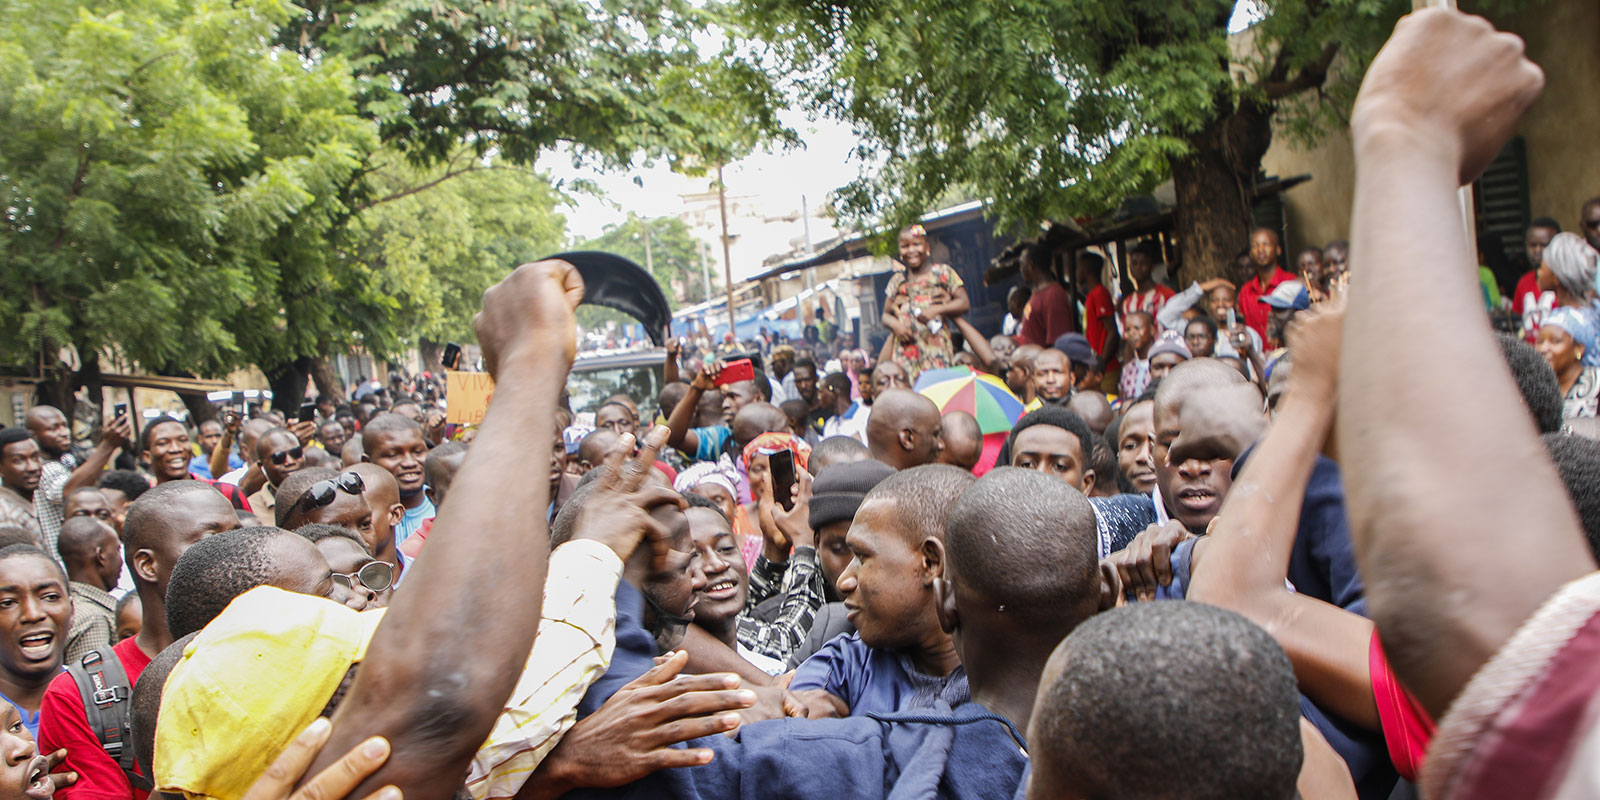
x,y
1269,565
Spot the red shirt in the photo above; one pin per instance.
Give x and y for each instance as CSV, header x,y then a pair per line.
x,y
1254,311
1096,307
1048,316
1526,285
62,723
1149,301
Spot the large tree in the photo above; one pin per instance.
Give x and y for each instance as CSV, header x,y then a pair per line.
x,y
1053,109
168,178
197,185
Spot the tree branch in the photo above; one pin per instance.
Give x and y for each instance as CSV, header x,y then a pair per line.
x,y
1278,86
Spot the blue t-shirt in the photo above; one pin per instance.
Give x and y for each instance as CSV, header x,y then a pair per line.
x,y
414,518
872,680
712,440
29,721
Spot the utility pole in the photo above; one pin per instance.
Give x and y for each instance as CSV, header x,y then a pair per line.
x,y
705,272
727,257
649,262
811,273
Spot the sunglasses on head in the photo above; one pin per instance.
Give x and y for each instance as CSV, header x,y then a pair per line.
x,y
323,493
374,575
282,456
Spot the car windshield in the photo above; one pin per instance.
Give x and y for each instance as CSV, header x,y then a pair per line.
x,y
590,384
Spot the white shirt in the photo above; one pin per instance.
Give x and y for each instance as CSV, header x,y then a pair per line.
x,y
852,423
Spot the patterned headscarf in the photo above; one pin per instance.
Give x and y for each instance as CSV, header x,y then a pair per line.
x,y
706,472
1582,325
768,443
573,435
1574,263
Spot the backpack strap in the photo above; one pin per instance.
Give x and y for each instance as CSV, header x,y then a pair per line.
x,y
106,692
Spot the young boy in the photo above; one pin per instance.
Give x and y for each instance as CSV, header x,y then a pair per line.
x,y
900,657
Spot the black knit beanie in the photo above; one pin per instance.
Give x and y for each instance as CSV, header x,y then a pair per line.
x,y
838,493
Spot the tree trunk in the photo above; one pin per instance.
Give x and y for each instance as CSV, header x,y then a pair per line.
x,y
1215,186
326,381
288,384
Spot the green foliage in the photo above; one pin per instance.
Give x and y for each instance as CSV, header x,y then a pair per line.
x,y
169,179
433,253
610,79
1056,108
198,185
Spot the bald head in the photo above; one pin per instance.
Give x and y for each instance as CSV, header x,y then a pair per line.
x,y
1194,374
1094,409
48,426
594,447
963,441
88,548
903,430
352,452
381,485
249,433
758,418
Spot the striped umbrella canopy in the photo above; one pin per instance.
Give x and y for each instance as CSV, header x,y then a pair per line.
x,y
984,396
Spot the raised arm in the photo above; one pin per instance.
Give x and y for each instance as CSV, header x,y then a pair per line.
x,y
114,435
681,420
218,457
1435,488
980,346
1241,565
446,656
669,367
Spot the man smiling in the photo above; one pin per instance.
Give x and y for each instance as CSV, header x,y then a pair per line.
x,y
395,443
35,609
19,479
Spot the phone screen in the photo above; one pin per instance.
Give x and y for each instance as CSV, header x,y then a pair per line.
x,y
308,412
122,410
451,359
782,469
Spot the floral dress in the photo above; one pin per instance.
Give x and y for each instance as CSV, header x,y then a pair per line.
x,y
930,346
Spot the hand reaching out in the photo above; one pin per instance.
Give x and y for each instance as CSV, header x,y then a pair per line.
x,y
338,780
1314,339
528,312
118,431
617,514
783,529
1146,563
304,431
632,734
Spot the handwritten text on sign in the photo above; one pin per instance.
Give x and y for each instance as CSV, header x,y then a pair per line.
x,y
469,394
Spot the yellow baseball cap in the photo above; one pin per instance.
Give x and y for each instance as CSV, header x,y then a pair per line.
x,y
248,684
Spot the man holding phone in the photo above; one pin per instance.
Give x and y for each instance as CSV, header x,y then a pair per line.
x,y
739,388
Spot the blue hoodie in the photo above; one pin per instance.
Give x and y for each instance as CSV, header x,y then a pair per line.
x,y
965,753
961,753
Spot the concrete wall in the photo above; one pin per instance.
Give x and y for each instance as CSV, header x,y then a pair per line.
x,y
1562,131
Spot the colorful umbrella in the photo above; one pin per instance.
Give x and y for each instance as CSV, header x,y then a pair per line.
x,y
984,396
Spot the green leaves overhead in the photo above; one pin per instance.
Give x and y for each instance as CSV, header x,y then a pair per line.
x,y
613,79
1055,108
199,185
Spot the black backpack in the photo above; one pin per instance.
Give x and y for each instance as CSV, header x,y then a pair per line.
x,y
106,692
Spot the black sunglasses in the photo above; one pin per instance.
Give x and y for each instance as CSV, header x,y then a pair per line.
x,y
375,575
322,493
284,455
